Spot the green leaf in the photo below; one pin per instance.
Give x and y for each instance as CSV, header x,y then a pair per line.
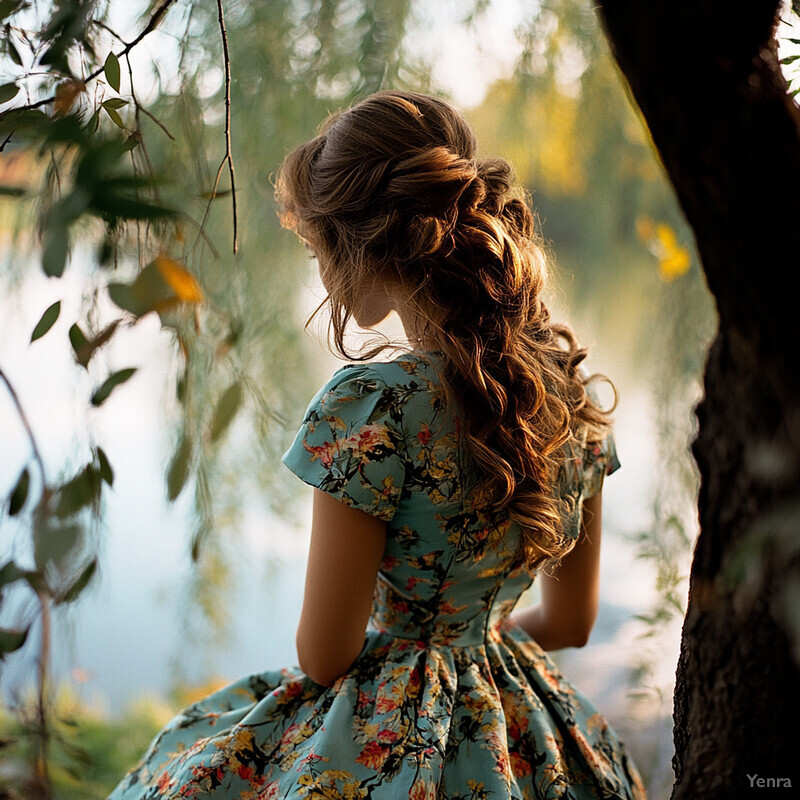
x,y
54,544
78,492
56,247
149,292
115,117
114,102
226,410
11,640
85,349
179,469
8,7
9,573
14,53
131,143
8,91
111,383
20,493
48,319
80,345
106,473
13,191
111,68
94,121
789,59
80,583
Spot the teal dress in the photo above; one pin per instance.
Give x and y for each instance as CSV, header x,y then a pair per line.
x,y
448,698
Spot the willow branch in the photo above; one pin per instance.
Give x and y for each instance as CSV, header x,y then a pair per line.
x,y
152,24
24,419
228,148
42,761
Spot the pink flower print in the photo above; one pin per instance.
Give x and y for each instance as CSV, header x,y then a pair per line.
x,y
520,766
596,759
165,782
373,755
323,453
269,792
366,439
388,736
424,434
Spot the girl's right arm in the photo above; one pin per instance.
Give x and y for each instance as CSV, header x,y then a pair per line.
x,y
570,599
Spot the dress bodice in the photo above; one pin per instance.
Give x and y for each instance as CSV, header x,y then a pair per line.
x,y
448,698
380,438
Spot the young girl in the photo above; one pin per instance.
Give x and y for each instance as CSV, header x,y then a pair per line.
x,y
446,480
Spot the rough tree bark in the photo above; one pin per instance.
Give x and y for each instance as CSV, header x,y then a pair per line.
x,y
706,76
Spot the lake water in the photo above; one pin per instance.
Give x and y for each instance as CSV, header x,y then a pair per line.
x,y
128,635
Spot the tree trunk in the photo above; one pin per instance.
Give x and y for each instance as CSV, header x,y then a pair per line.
x,y
707,79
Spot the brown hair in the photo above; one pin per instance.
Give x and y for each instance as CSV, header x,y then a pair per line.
x,y
390,189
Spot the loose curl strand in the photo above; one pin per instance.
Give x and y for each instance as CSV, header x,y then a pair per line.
x,y
391,190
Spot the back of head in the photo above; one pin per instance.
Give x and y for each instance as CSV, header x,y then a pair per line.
x,y
391,189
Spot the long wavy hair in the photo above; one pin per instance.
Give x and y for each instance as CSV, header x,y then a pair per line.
x,y
391,190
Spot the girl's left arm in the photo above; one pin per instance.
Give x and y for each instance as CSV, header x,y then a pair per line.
x,y
347,547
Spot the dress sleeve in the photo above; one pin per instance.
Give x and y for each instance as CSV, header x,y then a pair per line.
x,y
599,460
350,445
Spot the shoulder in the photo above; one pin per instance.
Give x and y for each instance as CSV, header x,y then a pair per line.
x,y
387,386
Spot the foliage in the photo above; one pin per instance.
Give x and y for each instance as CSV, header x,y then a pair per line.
x,y
105,172
610,217
89,750
126,175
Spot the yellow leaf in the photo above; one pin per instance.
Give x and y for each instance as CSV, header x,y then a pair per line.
x,y
645,228
66,92
674,264
182,282
667,237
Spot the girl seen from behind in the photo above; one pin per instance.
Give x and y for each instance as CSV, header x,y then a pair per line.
x,y
445,481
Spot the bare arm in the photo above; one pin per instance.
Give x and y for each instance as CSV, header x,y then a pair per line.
x,y
346,551
570,599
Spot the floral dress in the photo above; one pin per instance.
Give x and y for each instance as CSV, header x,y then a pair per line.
x,y
448,698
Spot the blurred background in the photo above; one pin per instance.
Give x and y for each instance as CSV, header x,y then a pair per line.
x,y
185,538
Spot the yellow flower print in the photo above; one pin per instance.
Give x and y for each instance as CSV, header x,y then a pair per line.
x,y
596,722
422,790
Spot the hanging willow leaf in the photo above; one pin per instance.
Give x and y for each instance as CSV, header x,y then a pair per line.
x,y
8,91
81,582
8,7
114,116
94,121
55,544
79,492
9,573
111,68
11,640
80,345
180,280
48,319
106,473
226,410
56,247
179,469
14,53
114,102
160,286
111,383
20,493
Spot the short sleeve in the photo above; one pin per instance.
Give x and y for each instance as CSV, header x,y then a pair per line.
x,y
350,445
599,459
